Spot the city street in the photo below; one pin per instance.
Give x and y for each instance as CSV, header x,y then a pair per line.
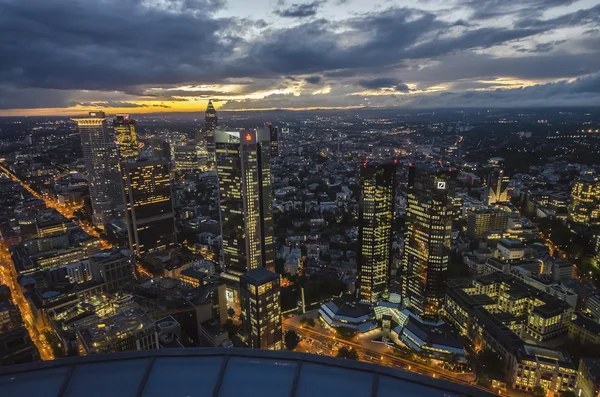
x,y
318,340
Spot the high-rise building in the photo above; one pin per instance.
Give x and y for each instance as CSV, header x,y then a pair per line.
x,y
185,158
274,133
484,220
126,136
149,208
584,209
211,121
260,298
101,158
427,241
376,220
245,199
496,190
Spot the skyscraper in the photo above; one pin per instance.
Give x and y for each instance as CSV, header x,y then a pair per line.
x,y
427,241
261,306
245,199
126,136
496,190
101,159
274,133
211,121
149,208
376,219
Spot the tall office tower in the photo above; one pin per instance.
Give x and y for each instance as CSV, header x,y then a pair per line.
x,y
496,190
274,133
185,158
149,208
427,241
376,220
485,220
246,200
101,158
260,299
584,210
126,136
211,121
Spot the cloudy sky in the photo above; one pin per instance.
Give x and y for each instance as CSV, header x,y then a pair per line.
x,y
62,57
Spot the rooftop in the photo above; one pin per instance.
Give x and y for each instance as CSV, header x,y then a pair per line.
x,y
260,275
218,372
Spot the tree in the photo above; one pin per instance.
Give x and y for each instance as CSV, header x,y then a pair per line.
x,y
308,321
489,363
348,353
291,340
231,312
538,391
346,333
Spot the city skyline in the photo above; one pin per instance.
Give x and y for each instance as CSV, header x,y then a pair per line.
x,y
352,54
456,245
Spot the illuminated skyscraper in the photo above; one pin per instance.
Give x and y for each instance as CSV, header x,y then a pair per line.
x,y
149,208
496,190
101,158
245,199
584,210
126,136
185,158
376,219
261,306
211,122
427,241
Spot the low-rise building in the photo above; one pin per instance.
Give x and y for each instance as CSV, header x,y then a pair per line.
x,y
588,379
584,330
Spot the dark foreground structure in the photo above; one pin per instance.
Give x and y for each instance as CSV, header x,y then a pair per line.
x,y
218,372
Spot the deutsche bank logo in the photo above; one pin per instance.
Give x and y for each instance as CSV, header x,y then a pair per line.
x,y
441,185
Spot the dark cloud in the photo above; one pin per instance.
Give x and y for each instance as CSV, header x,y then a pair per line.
x,y
106,45
384,82
60,52
580,17
111,104
302,10
580,92
313,79
488,9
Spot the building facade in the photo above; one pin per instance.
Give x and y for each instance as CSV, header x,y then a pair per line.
x,y
126,137
376,221
260,298
245,200
427,241
149,212
101,157
485,220
584,209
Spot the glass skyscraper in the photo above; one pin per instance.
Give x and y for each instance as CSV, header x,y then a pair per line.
x,y
126,136
245,199
149,208
101,158
427,241
376,219
211,121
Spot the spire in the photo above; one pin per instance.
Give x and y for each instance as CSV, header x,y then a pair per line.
x,y
210,108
